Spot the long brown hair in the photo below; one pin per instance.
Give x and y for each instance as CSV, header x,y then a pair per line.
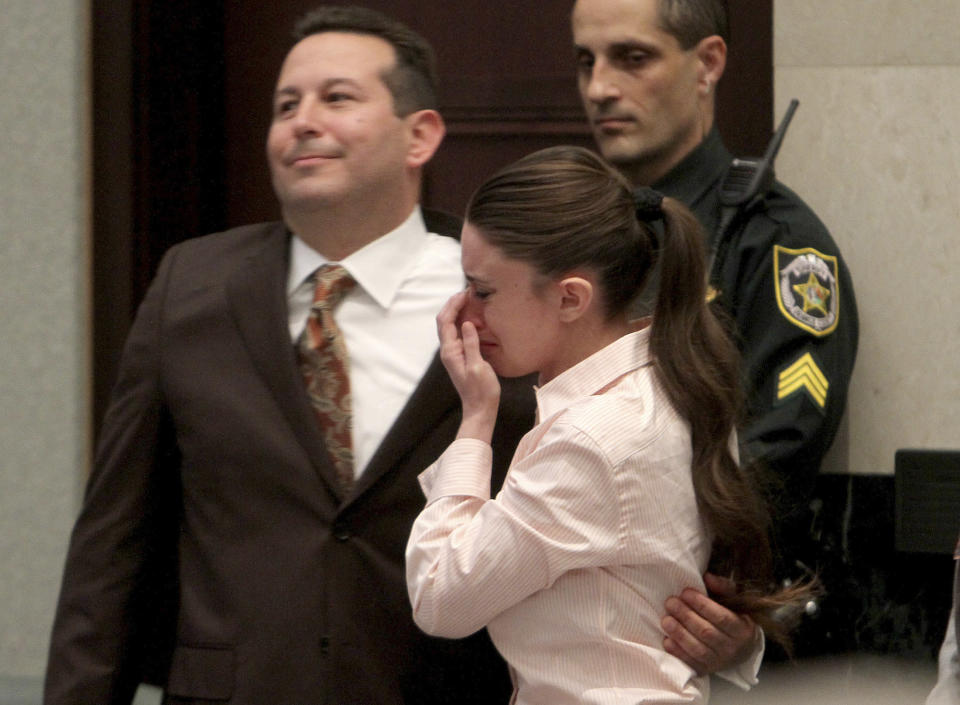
x,y
564,208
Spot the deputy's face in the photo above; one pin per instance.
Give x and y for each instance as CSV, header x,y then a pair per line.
x,y
640,89
334,134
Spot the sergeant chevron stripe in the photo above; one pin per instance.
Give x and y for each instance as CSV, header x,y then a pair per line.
x,y
804,375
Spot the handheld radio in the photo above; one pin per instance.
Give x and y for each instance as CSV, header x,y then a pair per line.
x,y
745,183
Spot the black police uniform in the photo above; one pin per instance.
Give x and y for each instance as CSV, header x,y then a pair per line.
x,y
791,299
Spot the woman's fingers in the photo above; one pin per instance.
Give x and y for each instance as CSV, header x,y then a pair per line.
x,y
447,318
471,344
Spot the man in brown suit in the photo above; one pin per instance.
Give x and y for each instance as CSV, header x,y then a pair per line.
x,y
287,587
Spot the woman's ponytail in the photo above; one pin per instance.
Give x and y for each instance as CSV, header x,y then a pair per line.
x,y
699,366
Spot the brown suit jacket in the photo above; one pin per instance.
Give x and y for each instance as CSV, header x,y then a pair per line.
x,y
213,550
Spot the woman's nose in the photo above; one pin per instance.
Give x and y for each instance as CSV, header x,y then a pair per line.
x,y
472,312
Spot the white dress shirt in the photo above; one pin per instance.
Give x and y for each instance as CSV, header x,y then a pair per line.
x,y
388,320
569,567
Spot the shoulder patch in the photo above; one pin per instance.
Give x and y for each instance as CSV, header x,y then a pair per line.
x,y
807,288
803,376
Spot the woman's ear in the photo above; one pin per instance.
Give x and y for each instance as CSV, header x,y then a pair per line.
x,y
576,295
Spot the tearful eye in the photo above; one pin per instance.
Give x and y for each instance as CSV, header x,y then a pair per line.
x,y
478,294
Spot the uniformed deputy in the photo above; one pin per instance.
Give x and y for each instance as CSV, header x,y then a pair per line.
x,y
787,289
647,76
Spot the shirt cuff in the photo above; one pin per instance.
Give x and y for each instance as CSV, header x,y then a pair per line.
x,y
462,470
744,674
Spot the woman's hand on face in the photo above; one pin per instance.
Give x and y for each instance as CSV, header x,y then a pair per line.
x,y
473,377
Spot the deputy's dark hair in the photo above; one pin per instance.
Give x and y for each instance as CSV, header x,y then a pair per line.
x,y
563,209
692,20
413,80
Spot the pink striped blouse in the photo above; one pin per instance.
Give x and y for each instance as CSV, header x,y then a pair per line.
x,y
569,566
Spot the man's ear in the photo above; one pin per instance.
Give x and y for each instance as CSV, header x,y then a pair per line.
x,y
426,131
712,57
576,295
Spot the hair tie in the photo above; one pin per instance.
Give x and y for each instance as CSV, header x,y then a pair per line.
x,y
648,203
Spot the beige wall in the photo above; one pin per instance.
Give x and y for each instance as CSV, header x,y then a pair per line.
x,y
875,149
43,311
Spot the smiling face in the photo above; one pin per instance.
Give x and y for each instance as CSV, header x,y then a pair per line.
x,y
335,136
513,308
647,99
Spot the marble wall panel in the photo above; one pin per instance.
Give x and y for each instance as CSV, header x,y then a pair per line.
x,y
866,33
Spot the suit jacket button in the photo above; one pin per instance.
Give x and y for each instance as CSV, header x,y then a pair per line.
x,y
324,645
341,533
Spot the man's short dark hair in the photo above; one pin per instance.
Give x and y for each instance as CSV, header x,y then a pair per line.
x,y
413,80
692,20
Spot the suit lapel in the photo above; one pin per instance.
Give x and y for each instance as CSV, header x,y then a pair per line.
x,y
256,293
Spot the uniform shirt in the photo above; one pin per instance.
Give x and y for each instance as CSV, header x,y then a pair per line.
x,y
388,320
789,294
596,525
